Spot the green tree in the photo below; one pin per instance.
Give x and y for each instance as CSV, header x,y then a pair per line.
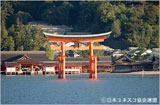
x,y
24,17
10,43
154,43
151,15
38,39
148,35
99,53
107,12
84,53
4,35
137,23
49,51
116,28
11,31
88,18
142,36
19,34
6,10
57,14
27,38
18,41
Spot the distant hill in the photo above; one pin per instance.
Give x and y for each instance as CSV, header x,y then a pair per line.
x,y
132,23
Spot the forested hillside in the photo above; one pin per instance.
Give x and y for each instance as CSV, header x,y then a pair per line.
x,y
136,23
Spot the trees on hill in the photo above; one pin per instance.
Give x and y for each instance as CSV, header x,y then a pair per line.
x,y
135,22
57,14
27,38
6,10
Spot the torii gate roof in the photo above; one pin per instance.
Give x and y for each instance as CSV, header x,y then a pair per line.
x,y
77,38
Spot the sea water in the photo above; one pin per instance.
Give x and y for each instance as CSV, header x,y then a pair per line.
x,y
78,89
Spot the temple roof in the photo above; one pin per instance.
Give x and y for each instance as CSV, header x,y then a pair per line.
x,y
19,57
105,58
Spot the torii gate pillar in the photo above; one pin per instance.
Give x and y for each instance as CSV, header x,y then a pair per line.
x,y
93,63
61,73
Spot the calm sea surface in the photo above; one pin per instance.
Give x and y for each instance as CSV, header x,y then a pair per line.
x,y
78,89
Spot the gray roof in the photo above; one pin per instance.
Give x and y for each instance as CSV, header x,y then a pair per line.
x,y
14,56
11,58
49,63
23,52
73,63
124,58
74,59
10,63
105,58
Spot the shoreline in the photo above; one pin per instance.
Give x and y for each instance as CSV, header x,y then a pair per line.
x,y
116,73
137,72
141,72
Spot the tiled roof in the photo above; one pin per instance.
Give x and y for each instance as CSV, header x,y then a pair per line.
x,y
124,58
155,62
40,57
10,57
14,56
49,63
74,59
73,63
141,63
105,58
103,63
23,52
10,63
85,63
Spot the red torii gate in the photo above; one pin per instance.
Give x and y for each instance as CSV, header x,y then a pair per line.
x,y
77,38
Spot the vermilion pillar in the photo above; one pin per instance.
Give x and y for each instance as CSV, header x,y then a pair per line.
x,y
61,73
20,67
93,63
133,68
63,48
35,66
